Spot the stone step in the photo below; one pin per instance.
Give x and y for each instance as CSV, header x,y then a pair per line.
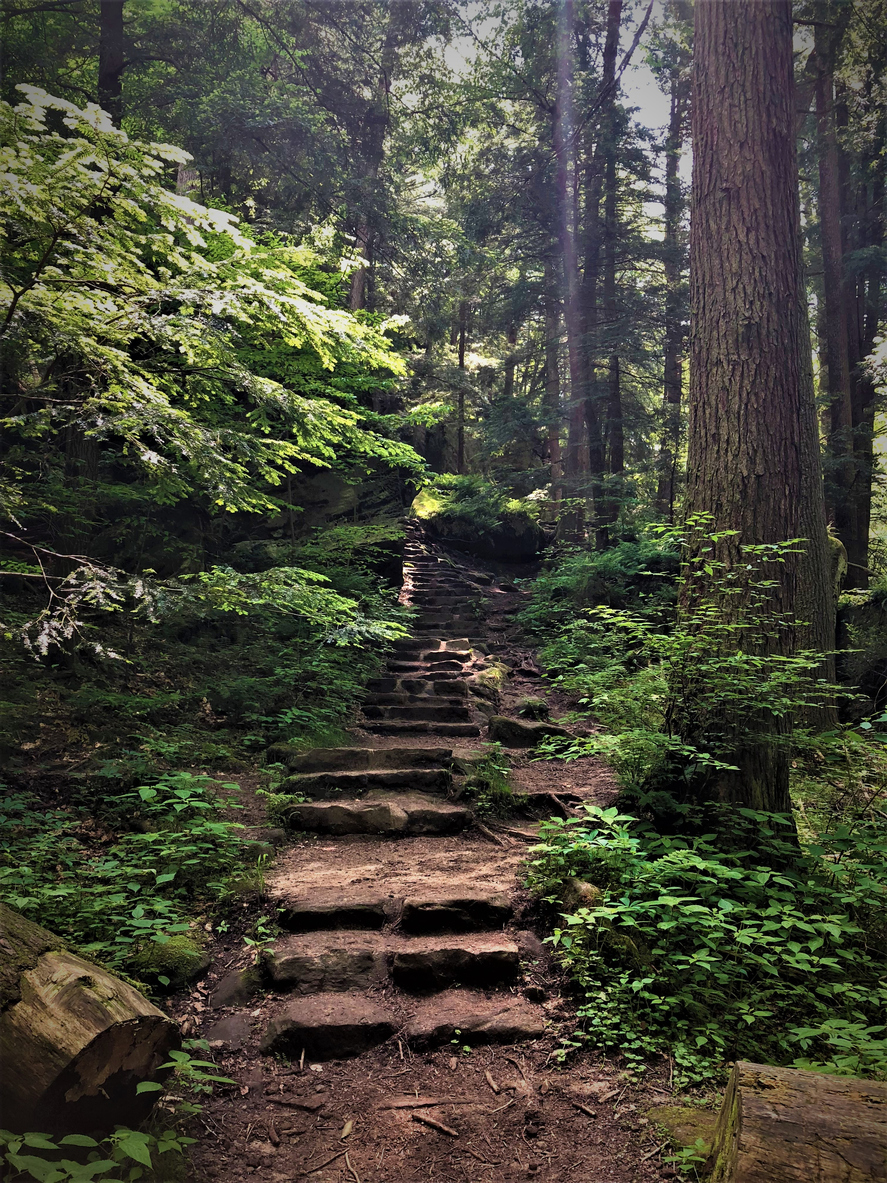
x,y
432,656
321,786
381,813
419,909
457,911
328,1027
447,688
397,698
420,667
325,962
419,727
357,759
437,711
471,1018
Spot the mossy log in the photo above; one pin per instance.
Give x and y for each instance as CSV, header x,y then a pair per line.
x,y
75,1041
782,1125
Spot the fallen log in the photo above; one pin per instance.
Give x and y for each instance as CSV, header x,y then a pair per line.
x,y
75,1041
783,1125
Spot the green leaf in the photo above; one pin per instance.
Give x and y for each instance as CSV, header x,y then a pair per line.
x,y
135,1145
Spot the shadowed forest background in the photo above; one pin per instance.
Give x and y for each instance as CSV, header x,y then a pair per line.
x,y
280,274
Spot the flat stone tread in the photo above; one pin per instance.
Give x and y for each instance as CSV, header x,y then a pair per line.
x,y
477,1017
390,726
359,940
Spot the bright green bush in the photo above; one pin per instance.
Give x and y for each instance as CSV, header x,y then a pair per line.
x,y
724,941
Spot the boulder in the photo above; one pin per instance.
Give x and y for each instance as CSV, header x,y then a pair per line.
x,y
519,733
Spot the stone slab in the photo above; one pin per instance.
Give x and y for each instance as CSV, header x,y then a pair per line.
x,y
431,963
477,1019
463,912
328,1027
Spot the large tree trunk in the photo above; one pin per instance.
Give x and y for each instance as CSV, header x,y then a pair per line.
x,y
75,1041
751,395
111,58
673,257
781,1125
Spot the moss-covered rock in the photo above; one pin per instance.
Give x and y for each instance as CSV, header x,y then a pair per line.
x,y
533,708
686,1125
516,733
182,959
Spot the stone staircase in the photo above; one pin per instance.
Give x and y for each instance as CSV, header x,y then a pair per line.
x,y
405,926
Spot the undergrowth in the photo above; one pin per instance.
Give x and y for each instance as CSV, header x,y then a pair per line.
x,y
130,879
488,786
724,941
716,935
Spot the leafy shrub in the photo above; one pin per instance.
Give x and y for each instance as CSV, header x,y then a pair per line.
x,y
725,941
629,575
114,893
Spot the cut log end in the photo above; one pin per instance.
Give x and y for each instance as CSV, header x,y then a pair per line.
x,y
76,1041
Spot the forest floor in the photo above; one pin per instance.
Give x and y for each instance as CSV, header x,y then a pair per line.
x,y
499,1112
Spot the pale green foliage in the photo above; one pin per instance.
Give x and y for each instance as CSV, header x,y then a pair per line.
x,y
124,323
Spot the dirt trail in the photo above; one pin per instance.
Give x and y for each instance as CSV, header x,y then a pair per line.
x,y
404,1027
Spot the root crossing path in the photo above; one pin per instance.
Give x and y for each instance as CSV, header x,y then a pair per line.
x,y
404,1028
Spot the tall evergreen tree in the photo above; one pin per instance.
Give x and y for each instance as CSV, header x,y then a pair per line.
x,y
753,460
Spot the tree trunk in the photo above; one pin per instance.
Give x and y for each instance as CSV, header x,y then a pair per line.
x,y
75,1041
673,257
608,508
552,380
750,449
111,59
372,149
575,458
599,239
836,286
510,363
782,1125
460,427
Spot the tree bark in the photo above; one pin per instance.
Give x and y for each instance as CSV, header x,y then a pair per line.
x,y
510,363
372,149
460,426
111,58
576,456
752,458
552,381
600,231
75,1041
673,258
837,292
782,1125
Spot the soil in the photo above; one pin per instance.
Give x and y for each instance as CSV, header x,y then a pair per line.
x,y
460,1112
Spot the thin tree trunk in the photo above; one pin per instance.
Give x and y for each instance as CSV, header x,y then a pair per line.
x,y
836,288
608,510
575,459
600,180
552,381
376,123
750,446
460,428
510,363
673,259
111,58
